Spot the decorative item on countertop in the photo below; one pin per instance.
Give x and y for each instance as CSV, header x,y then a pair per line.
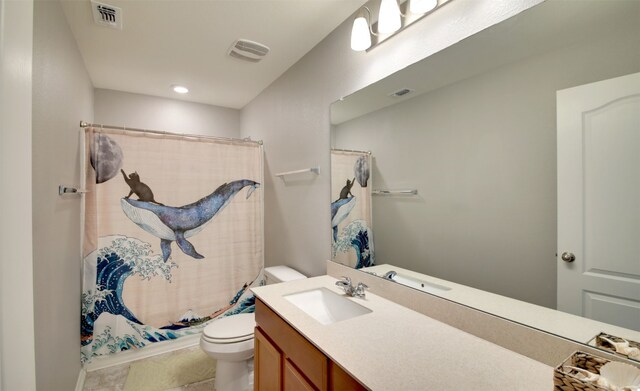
x,y
584,371
619,376
618,345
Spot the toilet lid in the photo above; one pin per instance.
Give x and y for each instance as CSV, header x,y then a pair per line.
x,y
230,329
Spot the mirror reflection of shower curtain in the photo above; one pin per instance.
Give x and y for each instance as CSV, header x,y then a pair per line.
x,y
173,236
351,221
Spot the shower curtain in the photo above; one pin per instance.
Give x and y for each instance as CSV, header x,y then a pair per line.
x,y
352,241
173,236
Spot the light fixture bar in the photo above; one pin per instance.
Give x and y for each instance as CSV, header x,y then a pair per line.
x,y
392,19
422,6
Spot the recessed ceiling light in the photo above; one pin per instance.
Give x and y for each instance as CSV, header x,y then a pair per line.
x,y
180,89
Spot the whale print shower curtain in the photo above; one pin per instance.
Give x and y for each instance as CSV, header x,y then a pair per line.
x,y
173,236
352,241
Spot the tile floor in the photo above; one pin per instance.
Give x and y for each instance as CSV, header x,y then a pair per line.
x,y
114,378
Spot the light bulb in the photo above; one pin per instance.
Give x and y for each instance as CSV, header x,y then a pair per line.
x,y
360,37
422,6
389,17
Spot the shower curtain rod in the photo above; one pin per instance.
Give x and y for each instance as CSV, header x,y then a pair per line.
x,y
350,150
84,124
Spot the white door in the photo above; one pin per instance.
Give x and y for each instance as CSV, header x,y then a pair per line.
x,y
599,201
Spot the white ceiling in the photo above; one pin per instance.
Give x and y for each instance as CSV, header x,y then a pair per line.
x,y
165,42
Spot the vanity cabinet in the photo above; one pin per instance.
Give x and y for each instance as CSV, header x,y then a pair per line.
x,y
285,360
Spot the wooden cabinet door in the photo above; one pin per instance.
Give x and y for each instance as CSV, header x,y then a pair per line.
x,y
306,357
294,380
341,380
268,364
285,360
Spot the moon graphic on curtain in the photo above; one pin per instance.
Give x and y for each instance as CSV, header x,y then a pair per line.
x,y
361,170
106,157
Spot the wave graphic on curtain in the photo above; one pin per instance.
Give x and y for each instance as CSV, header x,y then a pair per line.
x,y
161,264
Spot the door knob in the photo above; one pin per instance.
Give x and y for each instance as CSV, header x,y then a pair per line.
x,y
568,257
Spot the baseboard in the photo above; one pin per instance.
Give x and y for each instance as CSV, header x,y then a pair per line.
x,y
148,351
81,376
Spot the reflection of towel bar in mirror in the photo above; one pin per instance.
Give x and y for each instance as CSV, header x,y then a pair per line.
x,y
315,170
395,192
62,190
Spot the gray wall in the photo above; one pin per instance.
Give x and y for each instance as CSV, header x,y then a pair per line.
x,y
292,117
482,153
150,112
62,96
17,356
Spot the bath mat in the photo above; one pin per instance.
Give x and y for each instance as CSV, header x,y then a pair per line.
x,y
174,370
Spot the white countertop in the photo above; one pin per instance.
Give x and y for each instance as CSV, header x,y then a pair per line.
x,y
560,323
395,348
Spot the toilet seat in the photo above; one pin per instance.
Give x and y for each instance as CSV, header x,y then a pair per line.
x,y
227,341
231,329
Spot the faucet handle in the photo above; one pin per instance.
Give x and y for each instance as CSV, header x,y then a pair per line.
x,y
345,284
359,291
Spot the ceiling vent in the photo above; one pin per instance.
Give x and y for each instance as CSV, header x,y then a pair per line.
x,y
107,15
246,50
401,92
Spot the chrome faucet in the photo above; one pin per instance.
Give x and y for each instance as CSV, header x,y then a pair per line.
x,y
389,275
349,289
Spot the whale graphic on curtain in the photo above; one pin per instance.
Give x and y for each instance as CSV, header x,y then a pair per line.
x,y
340,210
178,223
136,291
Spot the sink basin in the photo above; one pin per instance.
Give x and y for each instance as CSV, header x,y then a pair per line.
x,y
326,306
424,286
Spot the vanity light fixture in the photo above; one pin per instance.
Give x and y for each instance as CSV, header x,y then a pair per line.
x,y
361,32
180,89
422,6
389,17
390,20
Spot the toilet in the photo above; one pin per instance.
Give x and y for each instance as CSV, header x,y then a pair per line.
x,y
229,340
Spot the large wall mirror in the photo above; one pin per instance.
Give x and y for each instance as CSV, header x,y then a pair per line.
x,y
504,172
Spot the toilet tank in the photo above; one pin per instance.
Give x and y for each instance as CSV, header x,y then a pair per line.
x,y
276,274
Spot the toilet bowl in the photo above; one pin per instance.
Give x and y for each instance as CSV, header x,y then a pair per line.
x,y
229,340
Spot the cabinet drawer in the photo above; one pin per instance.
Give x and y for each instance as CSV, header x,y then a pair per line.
x,y
306,357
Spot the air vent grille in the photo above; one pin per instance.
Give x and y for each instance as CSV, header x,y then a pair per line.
x,y
246,50
401,92
107,15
